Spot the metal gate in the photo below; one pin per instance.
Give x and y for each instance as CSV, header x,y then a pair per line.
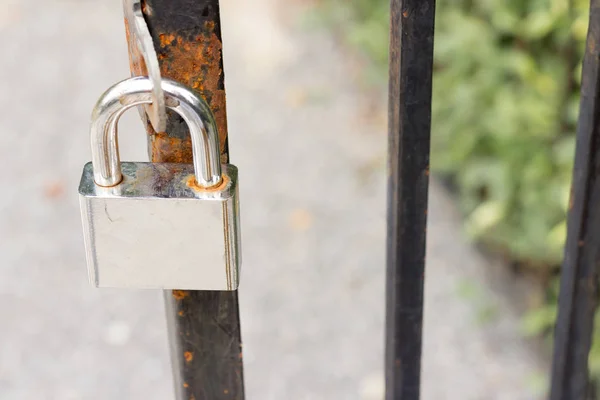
x,y
204,326
411,63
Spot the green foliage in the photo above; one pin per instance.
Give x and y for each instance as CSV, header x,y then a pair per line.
x,y
504,116
505,104
504,110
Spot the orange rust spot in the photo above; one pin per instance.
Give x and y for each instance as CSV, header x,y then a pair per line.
x,y
136,60
195,63
225,391
405,13
192,184
166,39
180,294
185,385
189,356
169,149
181,313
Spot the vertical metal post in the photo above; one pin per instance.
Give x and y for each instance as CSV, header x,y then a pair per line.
x,y
204,326
579,275
411,64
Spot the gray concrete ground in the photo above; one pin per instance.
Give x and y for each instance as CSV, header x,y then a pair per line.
x,y
312,293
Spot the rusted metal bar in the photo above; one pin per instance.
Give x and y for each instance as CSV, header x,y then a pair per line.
x,y
578,297
204,326
411,64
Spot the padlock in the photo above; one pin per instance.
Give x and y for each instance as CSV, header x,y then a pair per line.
x,y
159,225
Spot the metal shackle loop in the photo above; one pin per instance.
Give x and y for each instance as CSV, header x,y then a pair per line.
x,y
136,91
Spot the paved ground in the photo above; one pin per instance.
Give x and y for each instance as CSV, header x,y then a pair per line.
x,y
312,284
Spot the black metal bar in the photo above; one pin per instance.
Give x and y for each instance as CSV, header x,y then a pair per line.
x,y
204,334
579,275
204,326
411,64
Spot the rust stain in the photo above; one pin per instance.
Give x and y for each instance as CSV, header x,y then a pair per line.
x,y
180,294
405,13
166,39
185,385
136,60
195,63
192,184
189,356
169,149
225,391
181,313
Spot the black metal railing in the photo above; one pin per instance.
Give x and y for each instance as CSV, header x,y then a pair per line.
x,y
409,125
411,65
578,296
204,326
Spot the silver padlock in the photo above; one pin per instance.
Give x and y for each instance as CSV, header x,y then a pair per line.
x,y
159,225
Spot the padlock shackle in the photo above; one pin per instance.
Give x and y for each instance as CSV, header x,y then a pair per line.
x,y
137,91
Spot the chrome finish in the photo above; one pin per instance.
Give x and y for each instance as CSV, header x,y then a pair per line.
x,y
136,91
157,229
159,225
140,34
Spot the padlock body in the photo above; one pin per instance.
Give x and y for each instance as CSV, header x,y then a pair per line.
x,y
157,229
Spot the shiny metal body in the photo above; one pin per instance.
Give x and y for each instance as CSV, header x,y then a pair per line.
x,y
159,225
157,229
140,33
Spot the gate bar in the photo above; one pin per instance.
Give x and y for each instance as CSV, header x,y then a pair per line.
x,y
409,125
204,326
579,275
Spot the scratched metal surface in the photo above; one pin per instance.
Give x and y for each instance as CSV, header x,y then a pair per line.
x,y
159,180
312,289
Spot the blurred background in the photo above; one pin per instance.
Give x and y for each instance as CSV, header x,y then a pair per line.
x,y
306,87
